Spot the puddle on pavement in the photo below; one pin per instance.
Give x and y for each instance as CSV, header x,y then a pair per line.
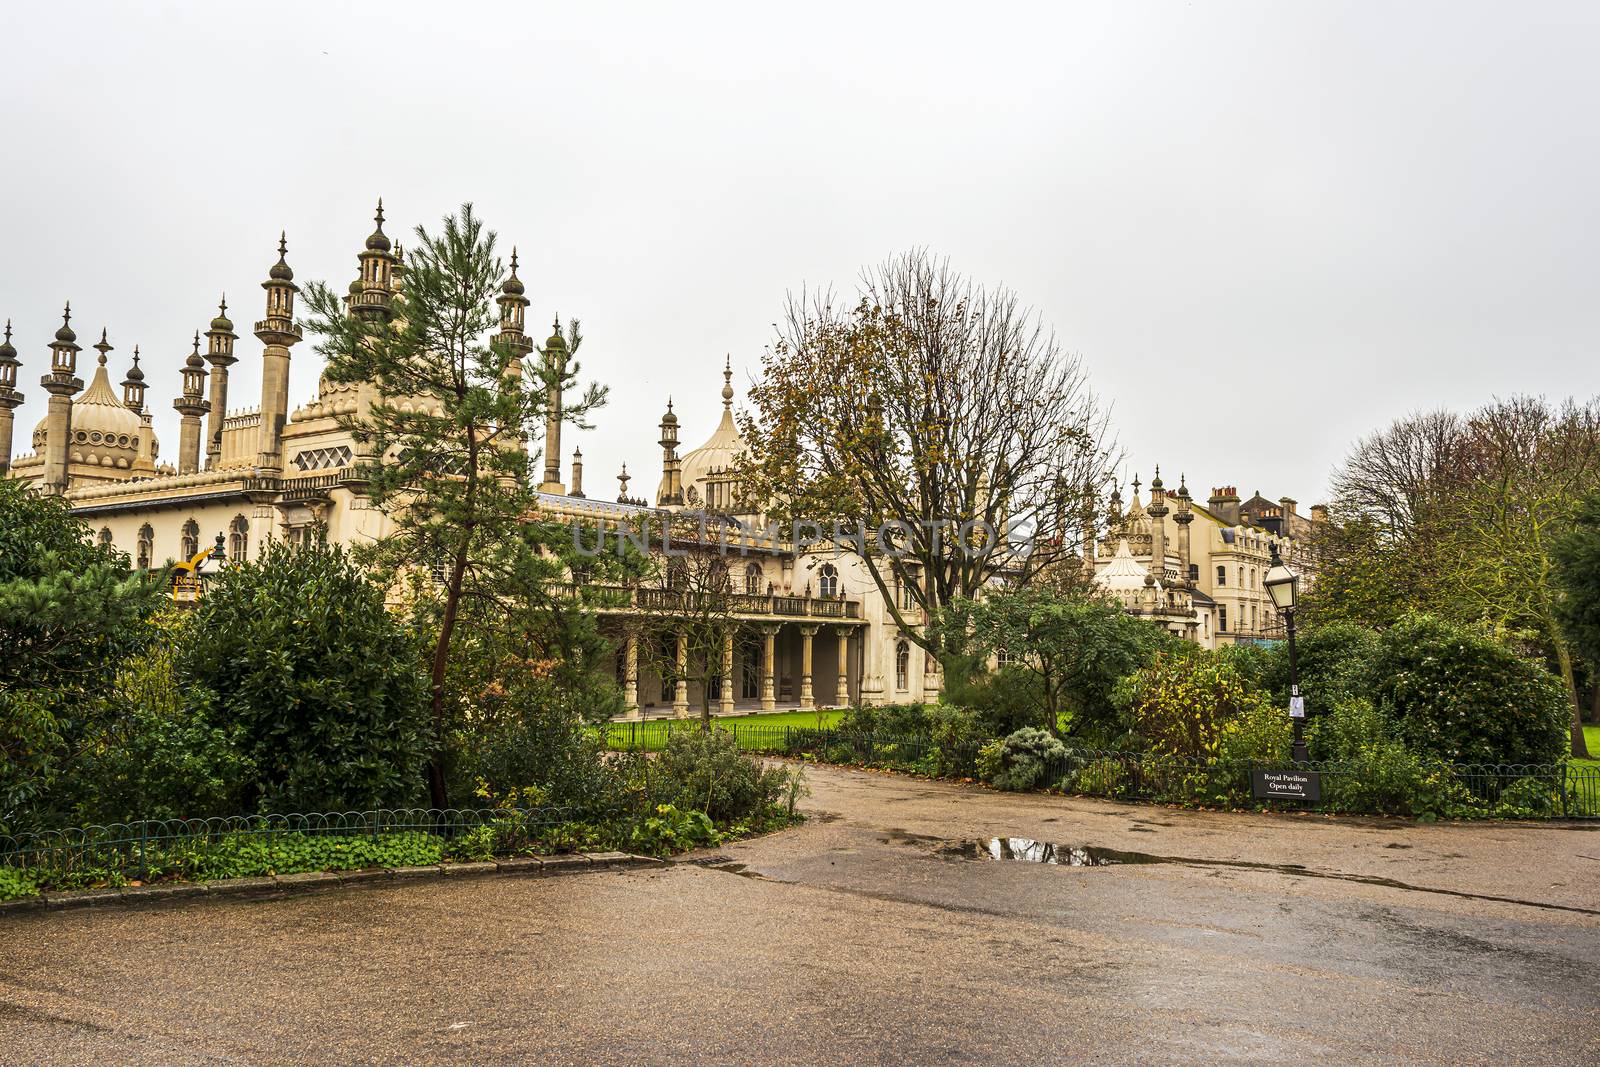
x,y
1027,850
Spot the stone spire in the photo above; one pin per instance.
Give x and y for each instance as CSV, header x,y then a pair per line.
x,y
555,358
1183,517
278,333
133,386
671,490
219,353
623,477
10,397
192,404
513,307
376,294
61,383
577,473
1157,511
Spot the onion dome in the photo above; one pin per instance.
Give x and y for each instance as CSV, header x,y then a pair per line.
x,y
135,375
281,271
194,362
8,353
1124,574
355,287
379,241
513,285
557,341
222,322
669,419
104,432
66,333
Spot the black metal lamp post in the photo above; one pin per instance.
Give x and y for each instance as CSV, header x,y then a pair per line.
x,y
215,560
1283,585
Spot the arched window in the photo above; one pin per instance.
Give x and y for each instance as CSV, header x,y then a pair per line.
x,y
677,575
105,536
752,579
238,539
902,666
828,581
1222,574
191,540
147,546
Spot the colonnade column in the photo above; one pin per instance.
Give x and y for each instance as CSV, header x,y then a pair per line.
x,y
680,696
630,673
769,641
806,635
727,673
841,696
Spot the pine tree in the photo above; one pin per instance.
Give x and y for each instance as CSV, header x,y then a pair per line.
x,y
448,413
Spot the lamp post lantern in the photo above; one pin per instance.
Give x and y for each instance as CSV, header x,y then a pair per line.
x,y
1283,586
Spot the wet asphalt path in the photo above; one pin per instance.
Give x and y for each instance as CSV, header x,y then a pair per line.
x,y
875,934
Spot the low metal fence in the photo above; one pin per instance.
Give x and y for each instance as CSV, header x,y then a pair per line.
x,y
315,841
1415,787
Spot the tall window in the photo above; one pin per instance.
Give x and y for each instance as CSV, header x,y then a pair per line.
x,y
1222,574
147,546
191,540
1222,618
828,581
752,579
902,666
238,539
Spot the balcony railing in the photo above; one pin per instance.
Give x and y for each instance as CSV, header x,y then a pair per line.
x,y
674,601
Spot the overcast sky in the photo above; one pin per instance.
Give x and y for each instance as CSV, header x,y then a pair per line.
x,y
1267,228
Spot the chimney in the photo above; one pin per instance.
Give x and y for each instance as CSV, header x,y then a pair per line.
x,y
577,473
1288,505
1319,513
1224,504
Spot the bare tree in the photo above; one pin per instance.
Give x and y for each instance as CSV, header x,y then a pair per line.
x,y
689,621
937,411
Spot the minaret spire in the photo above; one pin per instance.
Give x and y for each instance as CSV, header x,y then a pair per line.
x,y
219,353
191,405
133,386
61,383
555,358
10,398
278,332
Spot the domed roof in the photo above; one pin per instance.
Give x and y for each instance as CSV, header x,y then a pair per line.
x,y
721,452
222,324
1123,574
8,352
513,285
281,271
104,432
379,241
65,333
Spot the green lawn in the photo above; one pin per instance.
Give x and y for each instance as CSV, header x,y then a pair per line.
x,y
756,731
1591,734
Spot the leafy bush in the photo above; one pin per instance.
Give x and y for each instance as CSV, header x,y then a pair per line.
x,y
16,884
1465,698
298,650
158,755
704,770
1181,703
670,830
1022,760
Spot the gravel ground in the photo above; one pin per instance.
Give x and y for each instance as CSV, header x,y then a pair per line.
x,y
877,933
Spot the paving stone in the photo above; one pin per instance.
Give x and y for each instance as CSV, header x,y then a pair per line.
x,y
366,874
520,865
83,898
430,871
307,879
565,864
459,869
608,859
242,885
163,891
11,907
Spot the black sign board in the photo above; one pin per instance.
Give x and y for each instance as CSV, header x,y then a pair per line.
x,y
1286,785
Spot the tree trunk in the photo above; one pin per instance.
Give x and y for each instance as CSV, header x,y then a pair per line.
x,y
441,661
1580,746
